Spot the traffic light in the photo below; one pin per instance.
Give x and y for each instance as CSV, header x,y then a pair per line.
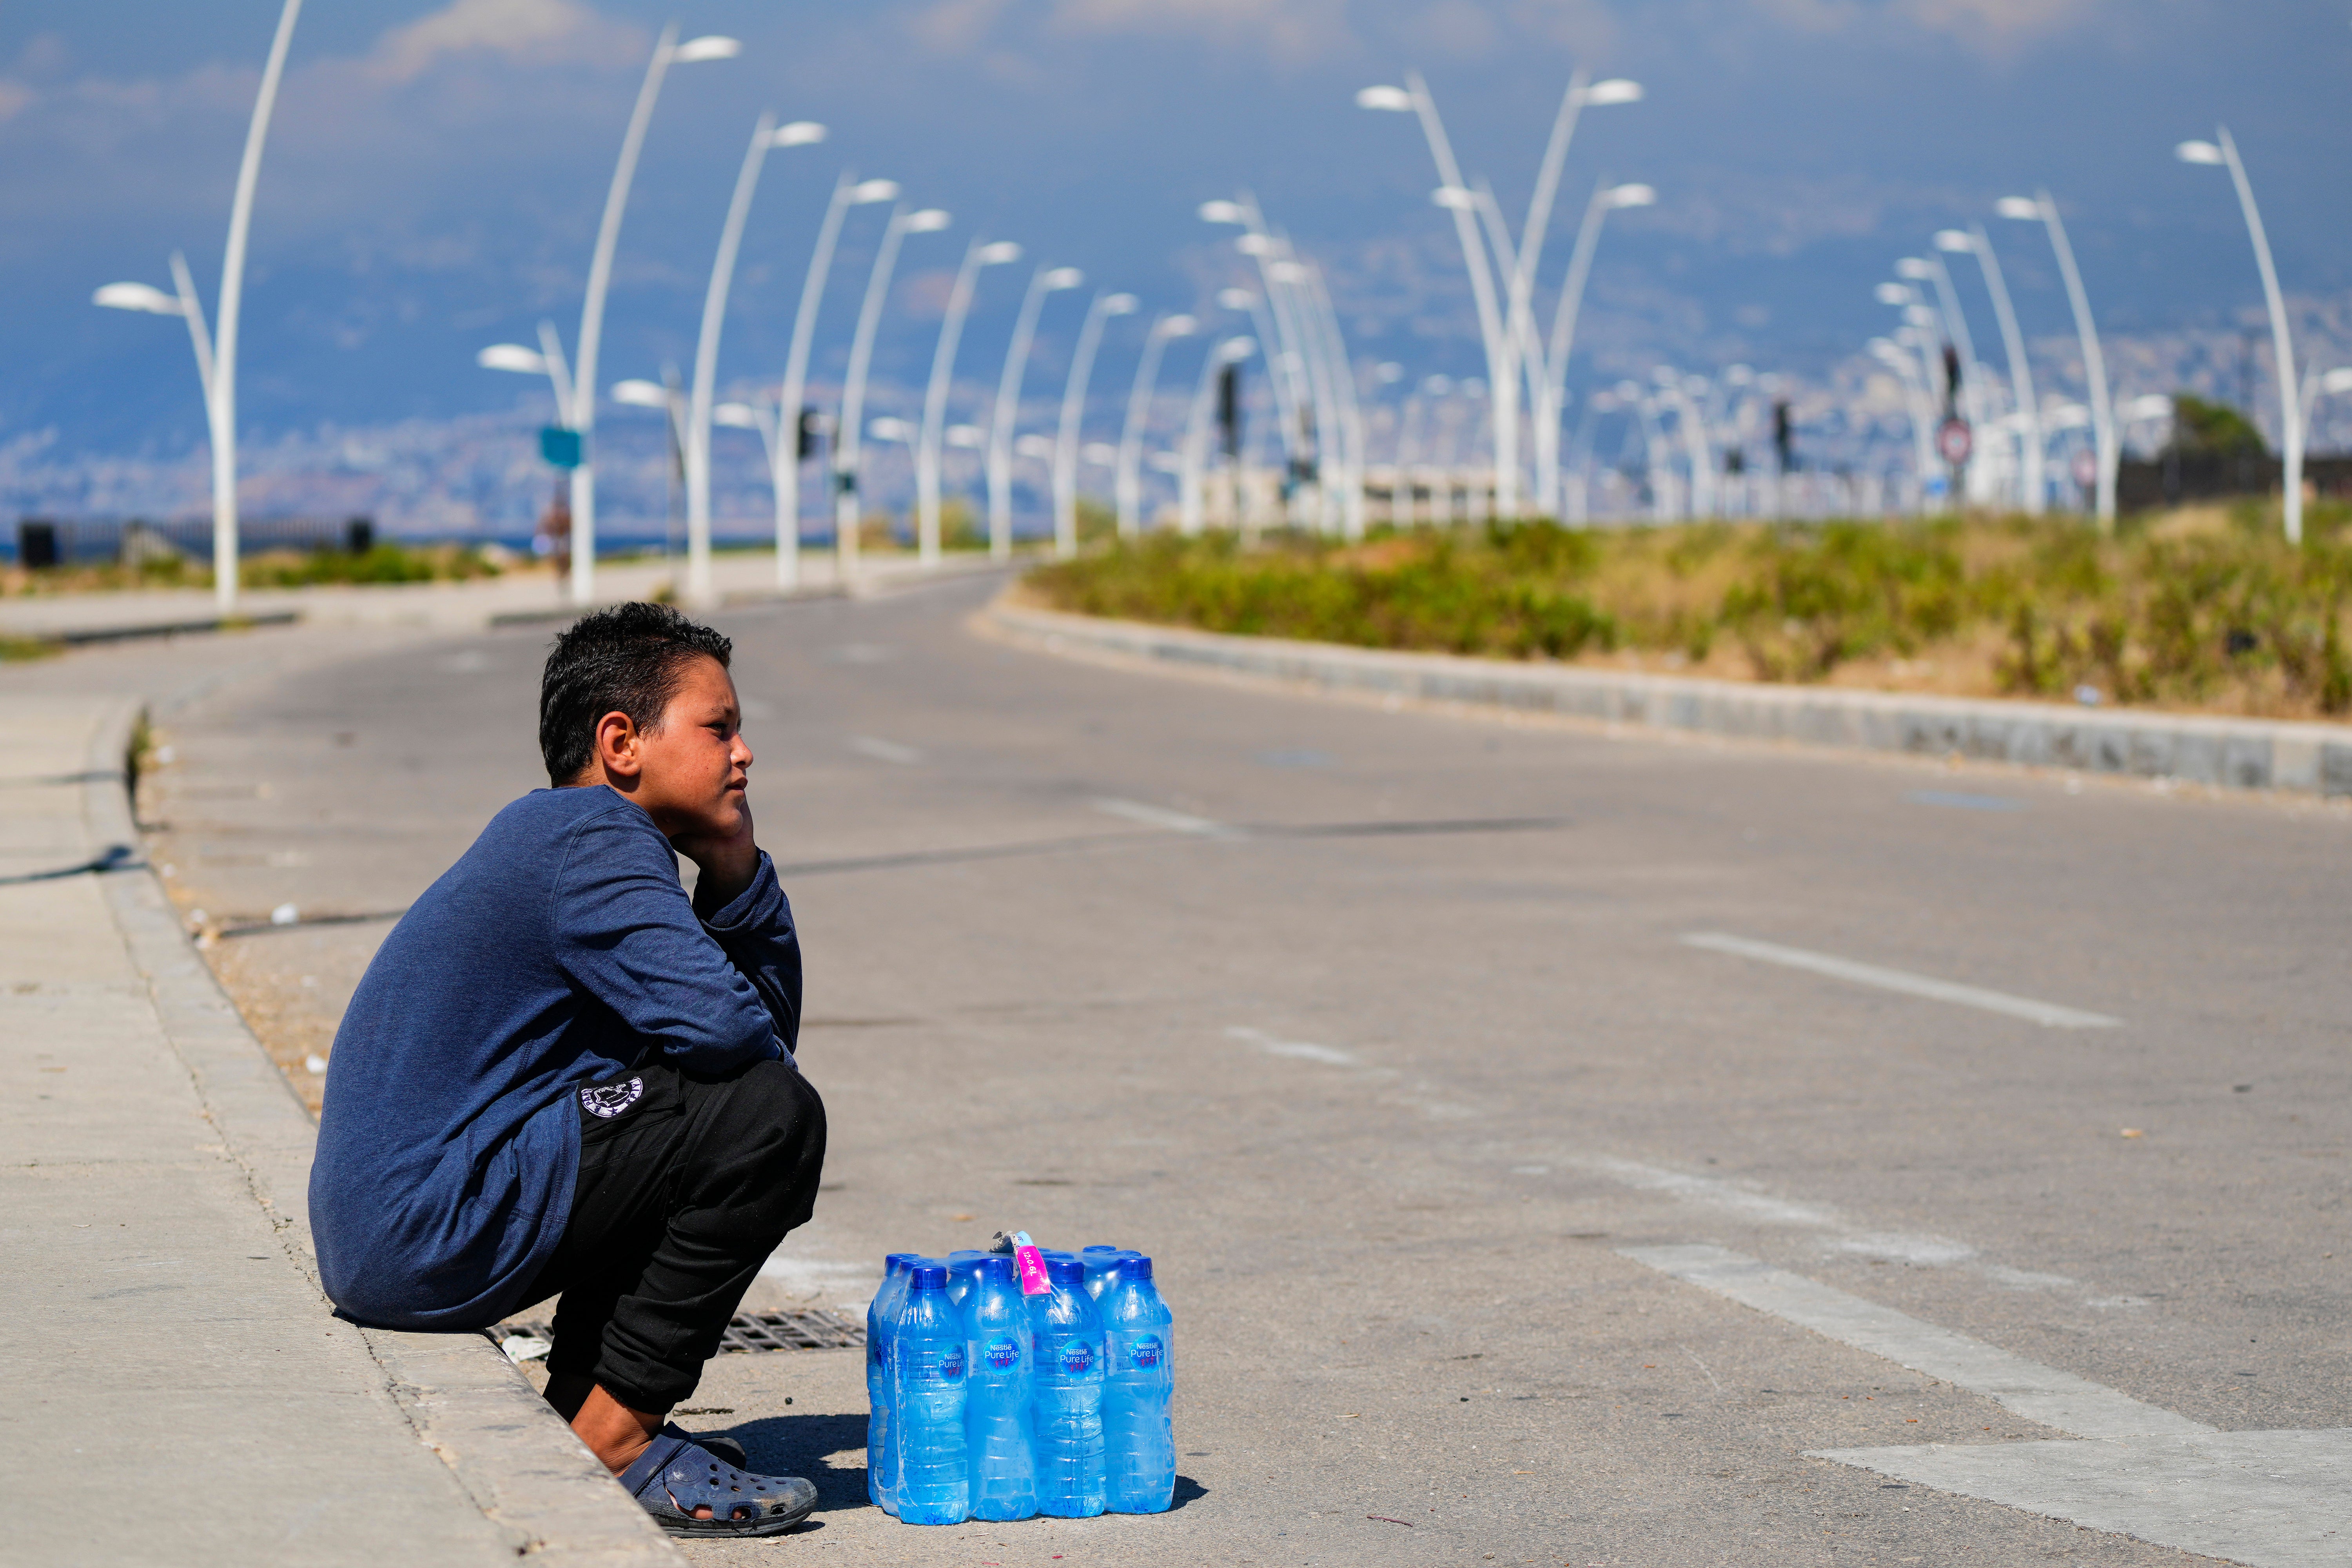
x,y
1784,436
1229,409
807,424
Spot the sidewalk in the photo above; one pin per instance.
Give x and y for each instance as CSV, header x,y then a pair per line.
x,y
745,578
181,1396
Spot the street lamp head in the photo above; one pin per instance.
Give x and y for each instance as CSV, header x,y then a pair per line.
x,y
1453,198
1395,99
641,394
1035,445
1179,327
2337,380
1955,241
930,220
1061,277
2156,405
1614,90
1885,348
1233,351
1738,375
137,297
1254,245
1222,211
498,356
2024,208
799,133
1914,267
968,435
1388,372
1101,454
2200,152
1920,315
710,46
1118,304
741,415
1235,298
866,193
1630,196
997,254
1287,272
1892,294
887,430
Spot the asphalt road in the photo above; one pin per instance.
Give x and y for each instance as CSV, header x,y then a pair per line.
x,y
1383,1032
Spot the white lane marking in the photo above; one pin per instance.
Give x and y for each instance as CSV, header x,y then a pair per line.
x,y
2047,1013
1299,1049
1712,1191
1161,816
2271,1499
2274,1500
885,751
2038,1393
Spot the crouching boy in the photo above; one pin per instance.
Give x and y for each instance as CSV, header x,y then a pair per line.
x,y
561,1074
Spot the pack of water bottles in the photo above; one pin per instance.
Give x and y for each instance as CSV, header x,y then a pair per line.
x,y
1008,1384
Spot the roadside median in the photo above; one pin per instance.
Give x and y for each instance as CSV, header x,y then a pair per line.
x,y
2310,759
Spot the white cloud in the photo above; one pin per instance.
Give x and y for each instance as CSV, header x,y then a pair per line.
x,y
1995,22
539,31
1289,29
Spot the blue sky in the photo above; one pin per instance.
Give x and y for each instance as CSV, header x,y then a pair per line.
x,y
436,169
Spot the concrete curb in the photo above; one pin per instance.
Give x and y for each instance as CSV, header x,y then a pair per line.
x,y
522,1466
2226,753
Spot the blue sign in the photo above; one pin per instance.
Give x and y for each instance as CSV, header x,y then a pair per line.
x,y
559,445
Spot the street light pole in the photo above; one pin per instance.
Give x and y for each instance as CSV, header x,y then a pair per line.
x,y
1007,412
764,135
2225,151
2094,367
2020,371
976,255
668,51
1606,198
848,191
1074,399
1127,480
852,392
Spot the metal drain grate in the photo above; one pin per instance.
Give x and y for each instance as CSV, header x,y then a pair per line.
x,y
802,1329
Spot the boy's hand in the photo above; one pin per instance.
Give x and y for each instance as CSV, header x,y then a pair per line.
x,y
728,862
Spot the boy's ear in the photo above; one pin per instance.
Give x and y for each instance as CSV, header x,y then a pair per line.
x,y
616,745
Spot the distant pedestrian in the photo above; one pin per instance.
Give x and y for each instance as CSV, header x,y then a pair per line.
x,y
562,1074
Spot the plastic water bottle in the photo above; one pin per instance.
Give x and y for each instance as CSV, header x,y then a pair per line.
x,y
1102,1267
961,1264
1138,1377
1068,1398
881,1320
999,1431
928,1354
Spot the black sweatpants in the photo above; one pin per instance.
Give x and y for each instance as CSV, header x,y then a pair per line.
x,y
685,1185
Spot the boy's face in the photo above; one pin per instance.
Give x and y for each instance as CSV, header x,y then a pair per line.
x,y
693,770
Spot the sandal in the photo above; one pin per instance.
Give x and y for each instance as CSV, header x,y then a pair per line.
x,y
678,1475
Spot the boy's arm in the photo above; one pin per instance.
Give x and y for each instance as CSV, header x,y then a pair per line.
x,y
626,933
755,930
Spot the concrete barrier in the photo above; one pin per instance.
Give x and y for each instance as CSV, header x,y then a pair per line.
x,y
2223,752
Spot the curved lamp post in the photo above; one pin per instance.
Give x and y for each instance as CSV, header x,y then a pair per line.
x,y
2031,493
1127,479
1895,354
2224,152
668,51
1233,351
929,220
2094,367
1295,386
1606,198
848,191
1455,196
1043,282
1930,269
216,358
765,136
977,255
1074,399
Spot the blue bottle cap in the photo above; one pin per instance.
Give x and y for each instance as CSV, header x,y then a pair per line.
x,y
961,1253
995,1270
929,1276
1051,1253
1065,1270
1134,1266
1098,1248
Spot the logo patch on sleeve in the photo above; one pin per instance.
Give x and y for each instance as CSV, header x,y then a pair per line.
x,y
609,1100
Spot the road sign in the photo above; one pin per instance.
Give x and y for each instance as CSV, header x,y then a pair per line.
x,y
560,446
2086,467
1952,439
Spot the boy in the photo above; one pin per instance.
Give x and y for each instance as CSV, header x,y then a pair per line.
x,y
560,1074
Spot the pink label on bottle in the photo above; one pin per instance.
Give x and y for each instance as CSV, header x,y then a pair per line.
x,y
1032,1265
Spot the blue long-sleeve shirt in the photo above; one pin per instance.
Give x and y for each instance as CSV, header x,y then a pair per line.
x,y
560,949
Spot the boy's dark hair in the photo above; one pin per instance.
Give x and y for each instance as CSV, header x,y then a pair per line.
x,y
625,660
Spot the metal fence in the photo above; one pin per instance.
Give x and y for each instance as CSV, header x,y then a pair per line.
x,y
81,541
